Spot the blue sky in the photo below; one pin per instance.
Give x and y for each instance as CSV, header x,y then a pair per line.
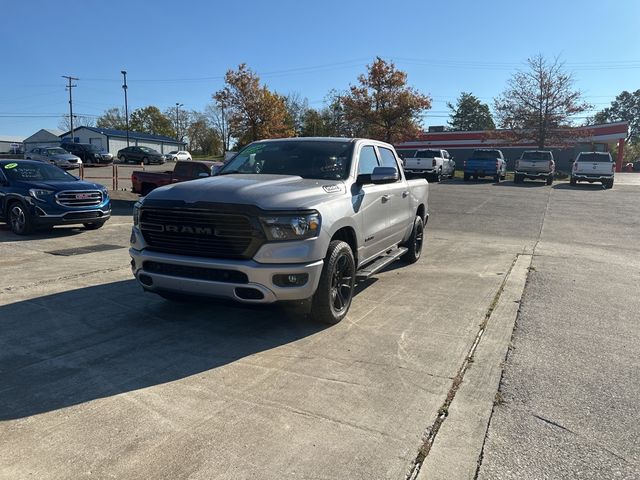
x,y
179,51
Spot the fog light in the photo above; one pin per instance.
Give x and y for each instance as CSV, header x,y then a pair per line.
x,y
291,279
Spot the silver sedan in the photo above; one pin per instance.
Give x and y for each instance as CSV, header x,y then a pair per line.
x,y
56,155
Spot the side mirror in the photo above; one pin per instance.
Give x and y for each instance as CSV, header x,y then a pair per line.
x,y
203,175
382,175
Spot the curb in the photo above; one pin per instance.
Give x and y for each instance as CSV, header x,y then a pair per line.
x,y
456,451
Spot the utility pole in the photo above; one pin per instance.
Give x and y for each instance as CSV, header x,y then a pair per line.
x,y
126,106
178,105
69,87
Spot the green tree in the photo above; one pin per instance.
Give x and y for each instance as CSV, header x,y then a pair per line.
x,y
151,120
203,138
538,103
469,114
625,107
112,118
382,106
254,112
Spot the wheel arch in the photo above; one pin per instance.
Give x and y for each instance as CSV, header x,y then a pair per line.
x,y
348,235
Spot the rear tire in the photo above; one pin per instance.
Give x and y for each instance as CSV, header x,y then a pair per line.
x,y
607,183
332,299
497,178
415,242
572,181
550,180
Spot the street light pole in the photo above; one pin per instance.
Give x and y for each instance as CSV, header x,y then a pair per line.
x,y
126,106
178,105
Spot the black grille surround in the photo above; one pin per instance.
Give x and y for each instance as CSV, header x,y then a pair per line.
x,y
79,198
198,273
201,232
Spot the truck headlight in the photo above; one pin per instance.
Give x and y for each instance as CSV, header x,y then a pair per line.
x,y
40,194
136,213
291,227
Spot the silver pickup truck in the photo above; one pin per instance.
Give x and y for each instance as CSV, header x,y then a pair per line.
x,y
284,220
535,164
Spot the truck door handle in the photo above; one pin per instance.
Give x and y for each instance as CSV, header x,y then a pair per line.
x,y
405,194
386,198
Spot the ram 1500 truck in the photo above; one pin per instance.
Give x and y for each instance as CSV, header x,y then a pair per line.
x,y
144,182
535,164
36,195
593,167
284,220
433,164
485,163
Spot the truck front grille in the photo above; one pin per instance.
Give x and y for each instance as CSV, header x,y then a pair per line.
x,y
79,198
200,233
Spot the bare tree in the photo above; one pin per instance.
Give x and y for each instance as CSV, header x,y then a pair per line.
x,y
217,115
538,103
78,121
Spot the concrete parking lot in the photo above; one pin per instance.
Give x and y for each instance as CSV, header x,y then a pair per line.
x,y
101,380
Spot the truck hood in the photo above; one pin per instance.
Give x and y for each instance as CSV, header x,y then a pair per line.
x,y
268,192
57,186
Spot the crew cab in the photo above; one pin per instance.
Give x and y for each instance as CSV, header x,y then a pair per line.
x,y
36,195
535,164
145,182
485,163
593,167
433,164
284,220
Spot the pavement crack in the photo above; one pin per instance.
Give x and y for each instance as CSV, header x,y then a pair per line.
x,y
432,431
62,278
551,422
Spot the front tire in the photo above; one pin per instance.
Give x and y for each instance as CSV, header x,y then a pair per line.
x,y
20,221
332,299
122,159
415,242
145,160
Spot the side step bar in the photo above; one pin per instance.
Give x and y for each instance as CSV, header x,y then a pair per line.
x,y
379,264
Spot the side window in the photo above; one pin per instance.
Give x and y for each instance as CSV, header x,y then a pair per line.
x,y
446,154
367,160
388,158
183,169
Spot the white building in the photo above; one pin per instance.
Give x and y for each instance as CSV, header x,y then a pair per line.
x,y
43,138
9,144
111,140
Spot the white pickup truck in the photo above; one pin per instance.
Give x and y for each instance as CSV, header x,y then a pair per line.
x,y
593,167
432,164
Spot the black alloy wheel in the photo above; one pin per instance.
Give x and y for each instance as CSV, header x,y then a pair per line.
x,y
333,297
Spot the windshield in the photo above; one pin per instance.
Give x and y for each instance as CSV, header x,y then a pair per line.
x,y
427,153
536,156
57,151
93,148
491,154
304,158
23,171
148,150
594,157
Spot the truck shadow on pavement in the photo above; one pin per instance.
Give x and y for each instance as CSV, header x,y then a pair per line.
x,y
579,186
77,346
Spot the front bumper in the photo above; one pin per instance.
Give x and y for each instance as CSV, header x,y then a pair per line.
x,y
259,277
46,214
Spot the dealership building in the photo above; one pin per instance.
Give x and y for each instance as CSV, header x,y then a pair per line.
x,y
460,145
111,140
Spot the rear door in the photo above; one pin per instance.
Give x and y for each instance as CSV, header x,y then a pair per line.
x,y
398,200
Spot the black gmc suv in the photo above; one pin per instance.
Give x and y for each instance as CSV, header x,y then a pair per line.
x,y
90,154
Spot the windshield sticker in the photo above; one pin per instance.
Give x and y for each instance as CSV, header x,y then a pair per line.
x,y
254,149
332,188
10,165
